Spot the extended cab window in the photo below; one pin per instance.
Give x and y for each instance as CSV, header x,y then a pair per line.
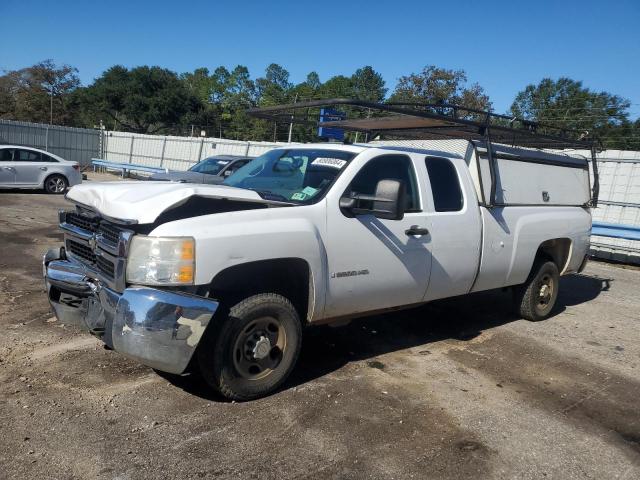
x,y
445,186
395,167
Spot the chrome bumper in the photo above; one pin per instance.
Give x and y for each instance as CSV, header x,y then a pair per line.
x,y
158,328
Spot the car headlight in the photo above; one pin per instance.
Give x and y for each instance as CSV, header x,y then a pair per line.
x,y
161,260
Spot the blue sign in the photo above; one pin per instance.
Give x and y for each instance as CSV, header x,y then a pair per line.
x,y
331,115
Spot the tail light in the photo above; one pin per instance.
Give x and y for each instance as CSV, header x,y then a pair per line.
x,y
76,167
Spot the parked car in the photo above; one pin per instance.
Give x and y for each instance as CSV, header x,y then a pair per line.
x,y
26,167
223,278
210,170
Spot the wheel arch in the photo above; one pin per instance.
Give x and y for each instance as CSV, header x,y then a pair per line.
x,y
558,250
290,277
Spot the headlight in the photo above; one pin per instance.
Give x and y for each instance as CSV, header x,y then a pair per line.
x,y
161,260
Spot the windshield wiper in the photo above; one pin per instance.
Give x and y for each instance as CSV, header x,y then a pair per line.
x,y
268,195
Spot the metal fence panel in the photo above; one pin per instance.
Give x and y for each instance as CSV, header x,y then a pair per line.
x,y
175,153
76,144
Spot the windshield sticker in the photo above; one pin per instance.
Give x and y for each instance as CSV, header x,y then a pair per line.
x,y
223,162
298,196
329,162
310,191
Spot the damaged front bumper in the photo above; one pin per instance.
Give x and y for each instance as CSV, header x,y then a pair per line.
x,y
159,328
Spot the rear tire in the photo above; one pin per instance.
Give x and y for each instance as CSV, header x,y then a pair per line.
x,y
251,351
535,299
55,184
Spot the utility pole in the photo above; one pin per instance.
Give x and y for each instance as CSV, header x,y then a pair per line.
x,y
295,100
51,104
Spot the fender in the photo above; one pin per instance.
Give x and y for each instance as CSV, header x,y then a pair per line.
x,y
230,239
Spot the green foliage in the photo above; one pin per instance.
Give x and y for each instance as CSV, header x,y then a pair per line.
x,y
143,99
40,93
439,85
156,100
565,103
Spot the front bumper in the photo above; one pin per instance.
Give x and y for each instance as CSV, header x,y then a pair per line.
x,y
158,328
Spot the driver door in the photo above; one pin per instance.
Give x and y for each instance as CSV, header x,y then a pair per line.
x,y
375,263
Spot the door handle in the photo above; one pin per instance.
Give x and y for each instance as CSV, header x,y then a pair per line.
x,y
416,230
44,169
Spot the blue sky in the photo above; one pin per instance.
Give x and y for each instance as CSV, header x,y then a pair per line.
x,y
503,45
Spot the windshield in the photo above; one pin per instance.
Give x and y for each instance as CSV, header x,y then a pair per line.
x,y
211,166
294,175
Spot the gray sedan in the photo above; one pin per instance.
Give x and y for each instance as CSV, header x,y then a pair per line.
x,y
26,167
210,170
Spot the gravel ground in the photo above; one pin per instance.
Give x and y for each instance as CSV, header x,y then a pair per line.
x,y
457,389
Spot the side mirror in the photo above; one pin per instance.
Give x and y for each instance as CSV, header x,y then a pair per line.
x,y
388,201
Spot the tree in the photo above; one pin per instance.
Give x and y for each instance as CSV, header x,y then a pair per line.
x,y
368,85
565,103
336,87
440,85
274,88
143,99
43,92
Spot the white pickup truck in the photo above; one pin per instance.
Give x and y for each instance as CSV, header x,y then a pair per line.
x,y
223,278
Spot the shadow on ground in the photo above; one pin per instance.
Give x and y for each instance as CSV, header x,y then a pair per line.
x,y
326,349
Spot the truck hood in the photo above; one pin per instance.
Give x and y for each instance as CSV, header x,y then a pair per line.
x,y
188,177
143,202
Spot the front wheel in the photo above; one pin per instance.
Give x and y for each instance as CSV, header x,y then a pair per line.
x,y
252,351
55,184
535,298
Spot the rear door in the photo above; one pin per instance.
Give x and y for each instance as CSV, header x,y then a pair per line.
x,y
30,169
456,227
7,167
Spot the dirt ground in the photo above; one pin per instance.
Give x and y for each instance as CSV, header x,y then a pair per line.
x,y
458,389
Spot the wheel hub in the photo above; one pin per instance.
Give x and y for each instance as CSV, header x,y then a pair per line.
x,y
546,291
261,348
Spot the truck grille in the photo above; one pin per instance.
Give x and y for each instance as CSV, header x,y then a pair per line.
x,y
97,243
82,251
109,232
99,262
105,266
80,221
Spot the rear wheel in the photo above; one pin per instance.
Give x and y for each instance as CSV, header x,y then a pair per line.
x,y
55,184
252,351
535,299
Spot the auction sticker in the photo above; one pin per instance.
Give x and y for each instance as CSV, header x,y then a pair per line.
x,y
329,162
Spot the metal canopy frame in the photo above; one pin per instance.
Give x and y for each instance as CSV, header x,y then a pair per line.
x,y
435,121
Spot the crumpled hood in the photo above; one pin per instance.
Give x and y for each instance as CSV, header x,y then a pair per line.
x,y
143,202
187,177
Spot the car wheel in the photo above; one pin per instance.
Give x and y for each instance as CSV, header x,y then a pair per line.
x,y
55,184
535,299
252,351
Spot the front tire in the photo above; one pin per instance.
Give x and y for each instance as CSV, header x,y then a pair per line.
x,y
55,184
536,298
250,352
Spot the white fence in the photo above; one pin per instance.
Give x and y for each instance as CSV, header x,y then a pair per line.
x,y
174,153
619,203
